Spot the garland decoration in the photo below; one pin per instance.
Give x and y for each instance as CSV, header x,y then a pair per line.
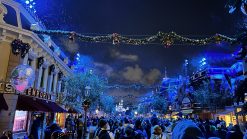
x,y
131,86
115,39
72,36
161,38
18,47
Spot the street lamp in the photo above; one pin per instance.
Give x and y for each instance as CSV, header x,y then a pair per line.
x,y
86,105
87,91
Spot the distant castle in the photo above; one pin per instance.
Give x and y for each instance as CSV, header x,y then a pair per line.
x,y
120,107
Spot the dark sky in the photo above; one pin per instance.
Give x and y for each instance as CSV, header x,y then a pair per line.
x,y
145,64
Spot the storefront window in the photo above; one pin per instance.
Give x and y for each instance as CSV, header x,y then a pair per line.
x,y
20,121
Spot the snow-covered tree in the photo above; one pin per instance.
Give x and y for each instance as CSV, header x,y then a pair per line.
x,y
76,93
107,103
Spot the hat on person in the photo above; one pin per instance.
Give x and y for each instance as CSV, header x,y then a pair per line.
x,y
186,129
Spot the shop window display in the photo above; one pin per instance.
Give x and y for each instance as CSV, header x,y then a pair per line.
x,y
20,121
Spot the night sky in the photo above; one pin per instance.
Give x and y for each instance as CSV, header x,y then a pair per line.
x,y
126,64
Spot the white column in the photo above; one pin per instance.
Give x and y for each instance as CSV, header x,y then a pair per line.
x,y
49,83
38,72
25,59
45,78
33,65
59,86
55,83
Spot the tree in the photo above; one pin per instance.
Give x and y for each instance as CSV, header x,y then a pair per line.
x,y
107,103
212,98
155,101
143,108
75,86
159,103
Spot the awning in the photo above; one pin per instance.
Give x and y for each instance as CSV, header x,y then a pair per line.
x,y
53,107
3,104
242,113
187,111
27,103
74,110
226,111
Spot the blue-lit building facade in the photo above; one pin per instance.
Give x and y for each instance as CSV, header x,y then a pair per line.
x,y
232,79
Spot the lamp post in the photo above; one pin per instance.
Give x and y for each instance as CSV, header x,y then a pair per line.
x,y
86,105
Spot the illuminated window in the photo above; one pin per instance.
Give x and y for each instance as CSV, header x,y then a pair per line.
x,y
20,121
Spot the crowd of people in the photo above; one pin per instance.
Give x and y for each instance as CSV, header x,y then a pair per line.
x,y
156,128
140,128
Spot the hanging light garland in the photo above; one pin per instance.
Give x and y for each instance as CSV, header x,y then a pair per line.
x,y
166,39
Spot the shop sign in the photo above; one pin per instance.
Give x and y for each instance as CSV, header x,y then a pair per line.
x,y
37,93
7,88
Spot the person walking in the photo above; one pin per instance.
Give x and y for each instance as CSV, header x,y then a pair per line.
x,y
35,129
79,127
104,132
157,133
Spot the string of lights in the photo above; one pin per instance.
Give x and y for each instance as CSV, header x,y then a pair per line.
x,y
132,86
162,38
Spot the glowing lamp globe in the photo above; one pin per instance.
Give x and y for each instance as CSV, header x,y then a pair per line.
x,y
22,77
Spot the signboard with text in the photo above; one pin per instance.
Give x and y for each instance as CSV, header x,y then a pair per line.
x,y
6,88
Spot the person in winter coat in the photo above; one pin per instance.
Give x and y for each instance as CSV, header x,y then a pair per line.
x,y
140,131
129,133
235,133
157,134
80,127
51,129
104,132
35,128
147,127
186,129
221,133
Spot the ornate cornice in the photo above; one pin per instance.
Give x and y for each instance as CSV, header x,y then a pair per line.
x,y
14,32
32,55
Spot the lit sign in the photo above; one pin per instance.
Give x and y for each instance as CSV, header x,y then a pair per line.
x,y
37,93
6,88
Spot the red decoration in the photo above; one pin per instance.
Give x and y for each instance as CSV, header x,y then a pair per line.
x,y
218,39
72,36
115,38
167,41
